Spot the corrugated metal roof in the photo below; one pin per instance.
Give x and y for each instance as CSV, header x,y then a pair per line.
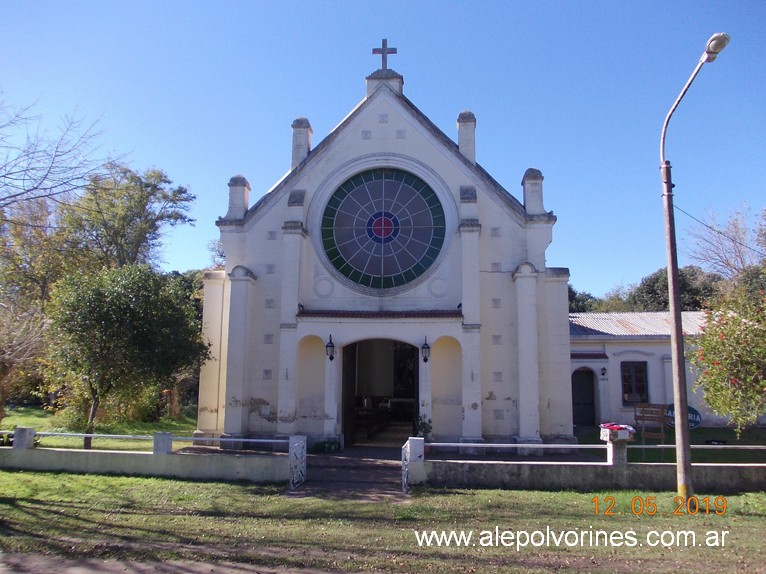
x,y
631,324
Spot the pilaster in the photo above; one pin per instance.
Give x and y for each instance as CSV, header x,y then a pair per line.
x,y
292,235
212,400
470,229
242,282
472,425
288,369
525,279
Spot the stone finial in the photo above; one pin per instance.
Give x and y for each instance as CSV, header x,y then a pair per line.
x,y
466,135
239,196
301,140
384,75
532,183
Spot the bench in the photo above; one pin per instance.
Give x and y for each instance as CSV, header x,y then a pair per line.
x,y
650,422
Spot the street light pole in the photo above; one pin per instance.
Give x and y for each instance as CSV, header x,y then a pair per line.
x,y
681,405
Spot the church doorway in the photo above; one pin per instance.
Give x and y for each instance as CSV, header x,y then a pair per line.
x,y
583,397
380,391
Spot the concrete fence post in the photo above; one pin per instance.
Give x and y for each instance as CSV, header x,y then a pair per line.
x,y
413,462
617,452
406,466
163,443
616,438
23,437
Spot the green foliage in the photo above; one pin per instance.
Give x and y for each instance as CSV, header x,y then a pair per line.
x,y
425,427
614,301
118,332
116,221
752,279
580,301
21,341
731,357
651,294
120,216
33,251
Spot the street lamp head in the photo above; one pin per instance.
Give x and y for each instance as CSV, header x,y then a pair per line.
x,y
716,43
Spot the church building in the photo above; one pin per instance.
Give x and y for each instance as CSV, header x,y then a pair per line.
x,y
387,277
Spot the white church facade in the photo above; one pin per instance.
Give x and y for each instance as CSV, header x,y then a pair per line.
x,y
387,276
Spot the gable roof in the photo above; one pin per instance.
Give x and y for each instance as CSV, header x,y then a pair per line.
x,y
480,173
631,325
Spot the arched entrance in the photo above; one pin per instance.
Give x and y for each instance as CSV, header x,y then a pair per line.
x,y
380,388
583,397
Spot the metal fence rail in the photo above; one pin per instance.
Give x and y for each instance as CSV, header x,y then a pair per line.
x,y
93,435
294,447
486,445
702,446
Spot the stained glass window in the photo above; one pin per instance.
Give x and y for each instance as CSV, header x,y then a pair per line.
x,y
383,228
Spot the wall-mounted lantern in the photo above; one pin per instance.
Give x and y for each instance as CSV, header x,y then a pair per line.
x,y
425,350
329,349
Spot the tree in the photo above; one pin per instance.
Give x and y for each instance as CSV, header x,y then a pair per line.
x,y
121,214
752,279
651,294
731,357
35,165
118,331
614,301
580,301
21,342
730,248
34,251
217,254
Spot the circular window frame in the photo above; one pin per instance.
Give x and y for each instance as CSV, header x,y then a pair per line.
x,y
344,183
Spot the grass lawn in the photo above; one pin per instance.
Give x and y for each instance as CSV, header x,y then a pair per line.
x,y
159,519
44,421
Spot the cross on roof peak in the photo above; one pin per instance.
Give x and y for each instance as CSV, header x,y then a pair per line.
x,y
384,51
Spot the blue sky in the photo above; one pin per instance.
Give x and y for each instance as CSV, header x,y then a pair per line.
x,y
208,89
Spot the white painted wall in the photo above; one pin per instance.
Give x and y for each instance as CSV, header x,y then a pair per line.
x,y
270,374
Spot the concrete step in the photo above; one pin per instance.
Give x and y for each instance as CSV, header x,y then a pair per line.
x,y
357,473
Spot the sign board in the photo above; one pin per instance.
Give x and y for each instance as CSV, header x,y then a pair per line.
x,y
695,418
